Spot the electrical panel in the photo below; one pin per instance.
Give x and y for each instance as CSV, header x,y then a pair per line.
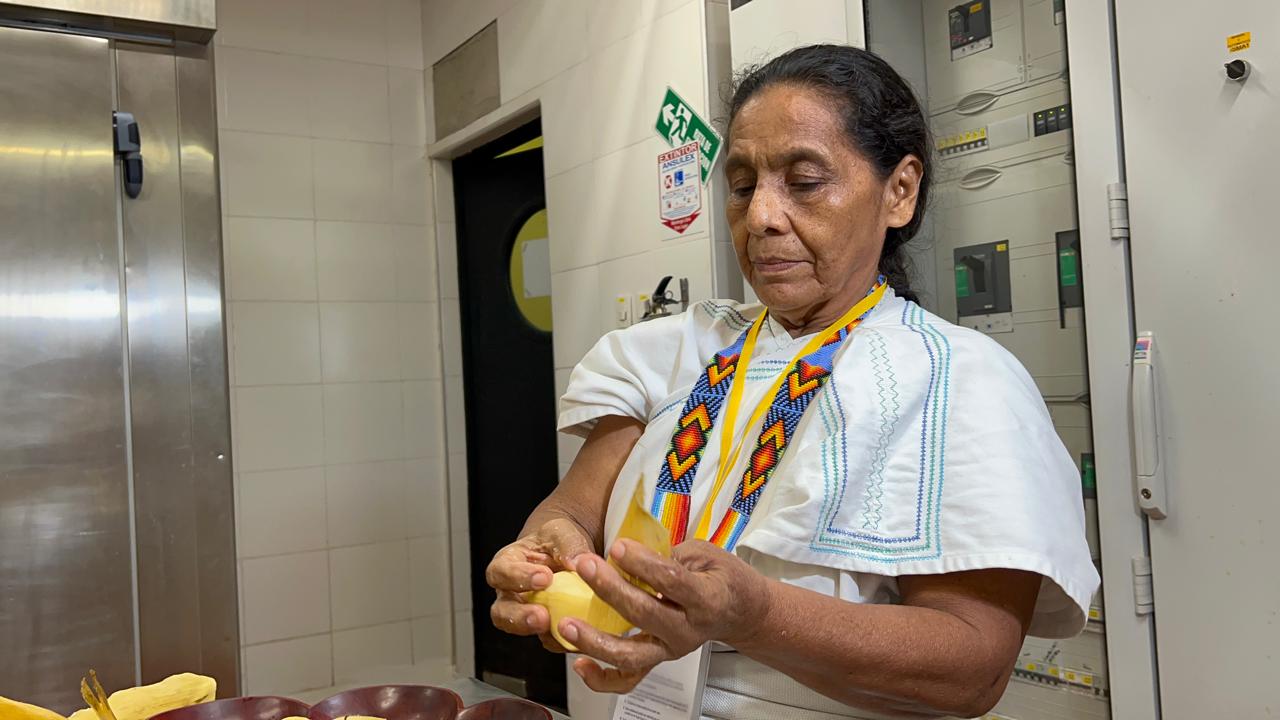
x,y
1070,282
1044,32
982,279
1052,120
970,26
971,49
1003,131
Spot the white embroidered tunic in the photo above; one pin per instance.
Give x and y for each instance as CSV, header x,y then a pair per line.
x,y
929,451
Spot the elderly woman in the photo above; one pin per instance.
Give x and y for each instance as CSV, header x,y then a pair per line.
x,y
870,507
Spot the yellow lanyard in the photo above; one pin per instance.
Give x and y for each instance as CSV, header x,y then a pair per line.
x,y
729,451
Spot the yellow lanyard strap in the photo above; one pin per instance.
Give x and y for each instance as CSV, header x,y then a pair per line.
x,y
729,451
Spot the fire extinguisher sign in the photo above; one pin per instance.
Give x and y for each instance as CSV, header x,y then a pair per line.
x,y
679,187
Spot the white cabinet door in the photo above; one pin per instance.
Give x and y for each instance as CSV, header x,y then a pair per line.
x,y
1201,156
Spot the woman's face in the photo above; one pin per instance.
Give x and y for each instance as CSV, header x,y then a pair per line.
x,y
807,211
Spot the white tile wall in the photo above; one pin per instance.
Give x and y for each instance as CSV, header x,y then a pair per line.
x,y
299,664
330,257
269,259
356,261
577,322
362,422
281,511
279,427
388,645
575,217
275,343
370,584
348,101
285,596
266,175
609,22
568,119
432,641
430,587
352,180
526,59
366,503
361,341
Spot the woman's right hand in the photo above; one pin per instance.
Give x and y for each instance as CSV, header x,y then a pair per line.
x,y
526,565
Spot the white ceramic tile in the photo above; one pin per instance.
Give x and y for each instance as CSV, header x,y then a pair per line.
x,y
356,261
574,218
281,668
416,278
411,197
366,502
274,25
689,258
347,30
423,419
404,33
370,584
285,596
464,650
279,427
429,100
576,318
442,184
460,552
369,648
427,501
608,22
360,341
433,639
352,180
459,494
430,582
348,101
269,259
451,338
419,325
281,511
276,343
266,175
621,178
629,78
568,119
447,258
455,416
408,122
262,91
362,422
535,43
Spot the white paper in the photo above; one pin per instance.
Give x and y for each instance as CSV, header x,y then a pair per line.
x,y
671,691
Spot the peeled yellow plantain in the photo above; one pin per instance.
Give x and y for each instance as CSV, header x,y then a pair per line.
x,y
140,703
570,596
14,710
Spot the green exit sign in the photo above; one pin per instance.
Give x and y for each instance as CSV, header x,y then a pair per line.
x,y
679,125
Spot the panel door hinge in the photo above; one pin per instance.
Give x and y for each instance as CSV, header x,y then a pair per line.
x,y
1144,601
1118,205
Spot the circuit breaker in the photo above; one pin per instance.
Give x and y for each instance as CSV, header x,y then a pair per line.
x,y
1070,282
982,279
972,51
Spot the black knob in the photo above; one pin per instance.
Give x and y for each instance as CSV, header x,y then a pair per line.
x,y
1237,70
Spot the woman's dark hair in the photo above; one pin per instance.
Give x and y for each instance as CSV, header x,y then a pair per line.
x,y
881,116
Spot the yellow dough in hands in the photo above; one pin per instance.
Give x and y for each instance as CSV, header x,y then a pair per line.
x,y
570,596
14,710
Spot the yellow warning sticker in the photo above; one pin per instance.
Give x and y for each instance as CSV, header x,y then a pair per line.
x,y
1002,247
975,8
1236,43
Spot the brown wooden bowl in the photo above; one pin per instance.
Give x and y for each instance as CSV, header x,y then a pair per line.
x,y
505,709
393,702
267,707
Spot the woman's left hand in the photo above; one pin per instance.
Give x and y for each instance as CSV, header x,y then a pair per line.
x,y
706,594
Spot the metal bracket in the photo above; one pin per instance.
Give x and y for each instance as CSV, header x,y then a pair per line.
x,y
1118,204
1144,600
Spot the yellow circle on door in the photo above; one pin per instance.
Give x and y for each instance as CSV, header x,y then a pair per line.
x,y
531,271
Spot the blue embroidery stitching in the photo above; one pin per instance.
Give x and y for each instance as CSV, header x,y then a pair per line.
x,y
887,393
728,313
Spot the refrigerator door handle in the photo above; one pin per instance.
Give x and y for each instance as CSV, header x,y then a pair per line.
x,y
1149,480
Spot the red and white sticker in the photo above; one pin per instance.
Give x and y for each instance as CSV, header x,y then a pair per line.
x,y
679,187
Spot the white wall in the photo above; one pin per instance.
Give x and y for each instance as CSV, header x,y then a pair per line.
x,y
337,408
597,72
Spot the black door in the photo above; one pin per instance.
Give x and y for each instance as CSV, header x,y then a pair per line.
x,y
504,281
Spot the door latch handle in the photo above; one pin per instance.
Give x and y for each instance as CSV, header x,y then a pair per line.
x,y
128,141
1149,484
